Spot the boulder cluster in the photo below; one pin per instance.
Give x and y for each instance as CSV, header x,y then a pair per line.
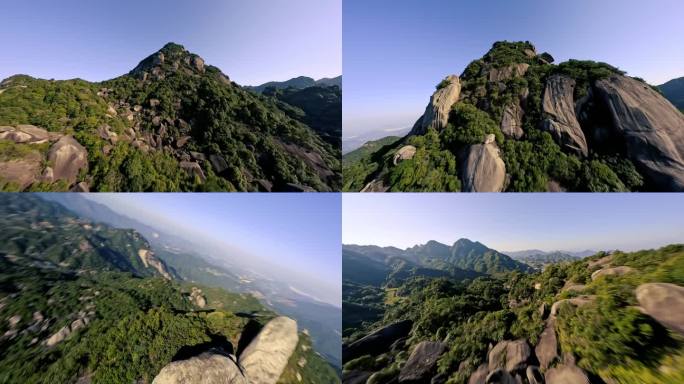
x,y
261,362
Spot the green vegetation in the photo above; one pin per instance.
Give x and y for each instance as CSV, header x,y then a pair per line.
x,y
535,162
176,97
609,337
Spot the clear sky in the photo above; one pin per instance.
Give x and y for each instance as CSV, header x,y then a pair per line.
x,y
512,222
252,41
396,51
298,233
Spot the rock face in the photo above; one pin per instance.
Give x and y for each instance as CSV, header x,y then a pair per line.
x,y
615,271
559,106
651,127
404,153
197,298
663,302
511,122
547,348
209,368
421,365
505,73
437,112
510,355
68,157
377,342
566,374
266,356
484,170
150,260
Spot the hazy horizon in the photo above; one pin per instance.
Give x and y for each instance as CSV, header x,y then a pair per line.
x,y
396,52
252,42
514,222
259,227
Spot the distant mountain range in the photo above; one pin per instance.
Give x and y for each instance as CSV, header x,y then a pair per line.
x,y
673,90
300,82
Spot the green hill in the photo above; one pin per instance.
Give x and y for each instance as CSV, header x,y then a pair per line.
x,y
171,124
673,90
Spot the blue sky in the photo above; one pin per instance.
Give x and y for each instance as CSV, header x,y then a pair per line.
x,y
396,51
251,41
511,222
300,234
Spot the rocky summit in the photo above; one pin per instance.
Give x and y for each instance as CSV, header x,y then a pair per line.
x,y
573,126
173,123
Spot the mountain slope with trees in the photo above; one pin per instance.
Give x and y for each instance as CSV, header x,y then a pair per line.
x,y
172,124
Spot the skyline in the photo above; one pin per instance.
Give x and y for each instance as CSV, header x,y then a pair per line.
x,y
549,222
395,52
258,226
252,42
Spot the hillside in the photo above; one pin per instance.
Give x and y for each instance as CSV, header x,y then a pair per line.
x,y
171,124
514,121
541,259
80,303
673,90
300,82
598,320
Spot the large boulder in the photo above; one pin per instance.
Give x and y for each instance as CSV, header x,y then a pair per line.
x,y
377,342
479,376
207,368
511,121
422,362
499,376
266,356
67,157
663,302
575,301
404,153
566,374
651,128
615,271
484,170
547,348
23,171
510,355
559,107
437,112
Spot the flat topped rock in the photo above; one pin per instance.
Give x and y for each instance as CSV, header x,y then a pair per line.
x,y
266,357
663,302
614,271
650,127
207,368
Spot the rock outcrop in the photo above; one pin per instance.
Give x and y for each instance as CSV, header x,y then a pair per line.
x,y
377,342
547,348
404,153
651,128
67,157
566,374
484,170
561,122
197,298
209,368
499,376
510,355
422,363
663,302
614,271
267,355
511,122
575,301
151,261
506,73
437,112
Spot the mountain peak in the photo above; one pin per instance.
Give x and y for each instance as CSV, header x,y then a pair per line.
x,y
171,58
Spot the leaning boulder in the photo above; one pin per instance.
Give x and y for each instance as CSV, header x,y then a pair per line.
x,y
422,362
207,368
377,342
437,112
650,127
267,355
484,170
663,302
67,157
561,122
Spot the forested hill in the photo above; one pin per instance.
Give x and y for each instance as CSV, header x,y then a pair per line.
x,y
610,318
173,123
515,121
83,302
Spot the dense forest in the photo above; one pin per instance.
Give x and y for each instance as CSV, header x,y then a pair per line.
x,y
80,302
596,320
514,121
171,124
